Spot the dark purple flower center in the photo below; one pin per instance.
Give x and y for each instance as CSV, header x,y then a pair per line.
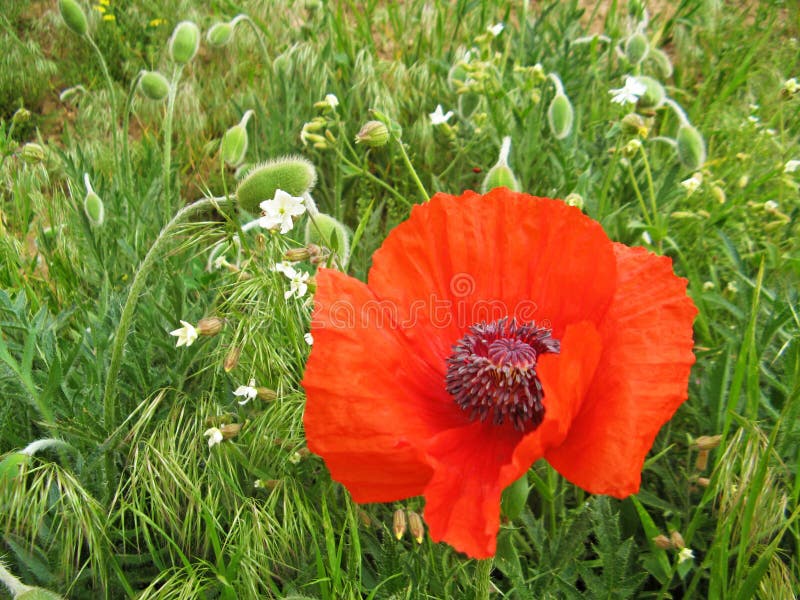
x,y
492,370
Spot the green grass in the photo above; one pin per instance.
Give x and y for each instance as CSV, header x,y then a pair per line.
x,y
132,502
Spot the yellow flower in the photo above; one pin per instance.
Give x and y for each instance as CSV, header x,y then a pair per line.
x,y
109,18
99,8
157,22
105,2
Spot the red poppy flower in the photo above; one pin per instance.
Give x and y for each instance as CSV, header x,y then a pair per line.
x,y
493,331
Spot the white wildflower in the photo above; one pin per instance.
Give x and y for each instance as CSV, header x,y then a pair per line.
x,y
308,338
279,211
791,166
629,93
693,183
186,335
332,100
685,554
214,436
495,29
248,392
439,117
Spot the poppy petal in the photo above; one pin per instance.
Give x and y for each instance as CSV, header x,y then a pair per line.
x,y
460,260
473,464
369,398
640,381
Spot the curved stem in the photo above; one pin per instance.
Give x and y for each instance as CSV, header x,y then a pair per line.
x,y
127,173
112,95
557,83
411,169
256,31
136,289
676,108
483,579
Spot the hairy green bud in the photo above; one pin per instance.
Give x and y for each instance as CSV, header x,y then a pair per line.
x,y
691,147
373,134
324,230
234,142
73,16
32,153
560,116
501,174
654,94
661,61
184,42
93,204
220,34
37,593
292,174
153,85
636,48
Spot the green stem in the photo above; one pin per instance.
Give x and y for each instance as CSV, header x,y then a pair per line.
x,y
651,190
112,97
257,32
167,160
639,196
126,318
411,169
483,579
372,177
126,118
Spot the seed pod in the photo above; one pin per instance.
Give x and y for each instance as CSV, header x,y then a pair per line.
x,y
292,174
266,394
209,325
153,85
73,16
184,42
373,134
399,523
416,526
326,231
662,541
636,48
560,116
92,204
633,124
677,540
220,34
691,147
232,359
654,94
234,142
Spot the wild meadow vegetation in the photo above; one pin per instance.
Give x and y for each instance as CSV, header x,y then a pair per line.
x,y
134,468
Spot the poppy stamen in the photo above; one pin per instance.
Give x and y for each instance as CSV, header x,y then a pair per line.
x,y
492,370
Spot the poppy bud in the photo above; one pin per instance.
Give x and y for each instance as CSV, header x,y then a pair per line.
x,y
32,153
209,326
662,541
654,93
73,16
220,34
661,61
184,42
677,540
266,394
399,523
514,498
234,142
633,124
326,231
691,147
37,593
560,116
153,85
501,174
293,174
92,204
373,134
636,48
416,526
232,359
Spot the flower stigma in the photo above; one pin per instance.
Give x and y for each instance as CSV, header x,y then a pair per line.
x,y
493,370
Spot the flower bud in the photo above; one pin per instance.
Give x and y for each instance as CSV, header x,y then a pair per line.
x,y
399,523
661,61
636,48
677,540
501,174
220,34
32,153
373,134
560,116
662,541
293,174
633,124
232,359
92,204
209,326
230,430
654,93
153,85
21,115
574,199
691,147
326,231
266,394
297,254
184,42
416,526
234,143
73,16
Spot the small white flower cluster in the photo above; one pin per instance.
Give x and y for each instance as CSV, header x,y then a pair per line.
x,y
298,280
248,392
